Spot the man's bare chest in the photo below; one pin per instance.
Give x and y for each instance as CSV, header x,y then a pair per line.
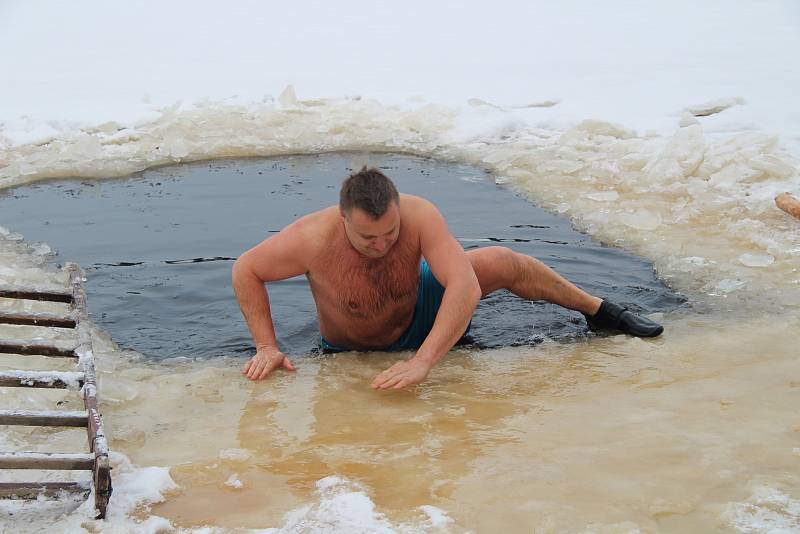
x,y
366,288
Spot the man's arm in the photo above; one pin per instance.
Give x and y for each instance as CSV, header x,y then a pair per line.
x,y
276,258
451,267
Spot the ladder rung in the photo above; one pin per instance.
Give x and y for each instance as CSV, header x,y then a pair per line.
x,y
43,418
46,460
51,296
36,319
42,379
36,350
32,490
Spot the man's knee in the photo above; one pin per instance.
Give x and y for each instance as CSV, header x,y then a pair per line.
x,y
496,267
489,258
504,254
504,260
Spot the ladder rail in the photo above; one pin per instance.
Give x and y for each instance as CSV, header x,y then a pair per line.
x,y
98,444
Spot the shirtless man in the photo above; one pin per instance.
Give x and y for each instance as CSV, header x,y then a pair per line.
x,y
386,274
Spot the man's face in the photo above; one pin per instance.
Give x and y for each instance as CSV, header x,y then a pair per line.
x,y
370,237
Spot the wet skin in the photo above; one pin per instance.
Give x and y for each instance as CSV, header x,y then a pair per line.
x,y
363,275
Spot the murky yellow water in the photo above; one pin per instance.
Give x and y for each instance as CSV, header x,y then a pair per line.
x,y
661,435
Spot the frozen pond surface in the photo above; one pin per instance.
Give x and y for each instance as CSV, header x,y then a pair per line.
x,y
158,248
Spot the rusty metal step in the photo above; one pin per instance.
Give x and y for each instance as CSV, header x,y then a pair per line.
x,y
44,418
42,379
30,294
46,460
33,349
34,490
37,319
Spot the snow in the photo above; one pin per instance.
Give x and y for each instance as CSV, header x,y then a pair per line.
x,y
768,510
635,63
438,517
135,485
344,506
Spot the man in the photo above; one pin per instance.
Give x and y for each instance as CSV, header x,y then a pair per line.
x,y
386,274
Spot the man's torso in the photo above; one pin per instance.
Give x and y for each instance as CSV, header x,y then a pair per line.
x,y
364,303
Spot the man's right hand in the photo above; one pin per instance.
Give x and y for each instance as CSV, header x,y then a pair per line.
x,y
264,362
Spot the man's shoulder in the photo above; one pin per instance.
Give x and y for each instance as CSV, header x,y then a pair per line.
x,y
416,208
317,223
415,203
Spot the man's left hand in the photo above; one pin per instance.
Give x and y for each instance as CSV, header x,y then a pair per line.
x,y
402,374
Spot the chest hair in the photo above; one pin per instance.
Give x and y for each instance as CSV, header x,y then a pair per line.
x,y
366,287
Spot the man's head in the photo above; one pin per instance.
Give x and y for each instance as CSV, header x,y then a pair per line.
x,y
370,206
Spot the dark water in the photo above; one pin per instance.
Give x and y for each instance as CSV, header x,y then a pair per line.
x,y
158,248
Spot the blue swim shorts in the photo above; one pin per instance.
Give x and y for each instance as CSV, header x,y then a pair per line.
x,y
429,298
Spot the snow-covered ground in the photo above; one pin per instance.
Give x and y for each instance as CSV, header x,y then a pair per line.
x,y
631,62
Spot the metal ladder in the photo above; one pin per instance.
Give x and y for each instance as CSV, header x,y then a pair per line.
x,y
96,460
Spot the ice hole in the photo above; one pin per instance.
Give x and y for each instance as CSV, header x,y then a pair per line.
x,y
158,247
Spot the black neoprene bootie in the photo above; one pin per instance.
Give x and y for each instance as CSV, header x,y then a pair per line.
x,y
612,316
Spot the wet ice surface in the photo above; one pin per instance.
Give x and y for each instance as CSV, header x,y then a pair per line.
x,y
158,248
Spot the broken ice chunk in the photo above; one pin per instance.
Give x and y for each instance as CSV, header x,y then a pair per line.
x,y
237,455
751,259
542,104
234,482
714,106
563,207
687,119
559,165
475,102
288,98
41,249
603,196
681,156
773,165
731,174
728,286
641,219
695,260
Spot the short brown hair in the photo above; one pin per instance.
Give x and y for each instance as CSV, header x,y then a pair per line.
x,y
369,190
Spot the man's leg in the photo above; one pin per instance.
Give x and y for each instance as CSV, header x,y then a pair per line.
x,y
502,268
529,278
